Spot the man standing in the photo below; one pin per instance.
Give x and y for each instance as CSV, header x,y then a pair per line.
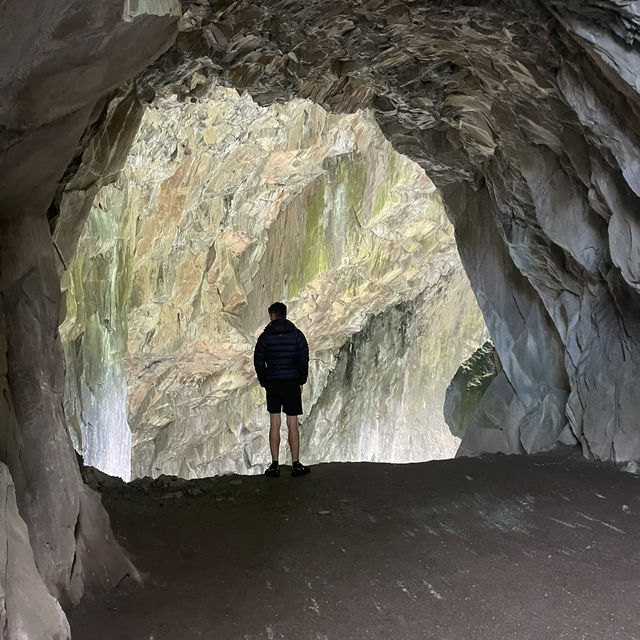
x,y
281,360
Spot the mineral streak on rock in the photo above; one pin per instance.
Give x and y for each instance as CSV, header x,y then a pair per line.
x,y
222,207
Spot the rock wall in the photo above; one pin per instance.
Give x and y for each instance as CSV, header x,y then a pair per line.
x,y
55,78
222,207
383,399
94,340
469,386
27,610
525,115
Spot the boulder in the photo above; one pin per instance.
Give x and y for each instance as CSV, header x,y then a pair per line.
x,y
27,609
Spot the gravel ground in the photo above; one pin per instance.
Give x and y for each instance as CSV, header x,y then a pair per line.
x,y
501,547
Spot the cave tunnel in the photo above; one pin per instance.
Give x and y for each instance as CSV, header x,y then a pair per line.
x,y
524,117
222,207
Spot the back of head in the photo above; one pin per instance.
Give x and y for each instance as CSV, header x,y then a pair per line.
x,y
278,309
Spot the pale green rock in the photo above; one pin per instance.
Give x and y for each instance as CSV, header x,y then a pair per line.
x,y
135,8
468,386
95,339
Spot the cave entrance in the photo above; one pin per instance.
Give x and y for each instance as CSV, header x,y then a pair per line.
x,y
222,207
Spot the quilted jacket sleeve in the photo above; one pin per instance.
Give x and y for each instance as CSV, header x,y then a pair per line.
x,y
259,361
303,358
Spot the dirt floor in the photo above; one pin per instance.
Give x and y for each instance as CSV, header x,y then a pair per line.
x,y
500,548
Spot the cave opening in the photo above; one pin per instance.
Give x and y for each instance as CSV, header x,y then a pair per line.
x,y
526,118
222,207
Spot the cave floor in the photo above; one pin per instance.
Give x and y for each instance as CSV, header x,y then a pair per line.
x,y
506,547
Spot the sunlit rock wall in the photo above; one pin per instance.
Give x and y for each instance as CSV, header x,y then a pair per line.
x,y
95,342
222,208
383,400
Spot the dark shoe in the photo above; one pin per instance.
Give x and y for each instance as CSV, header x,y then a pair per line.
x,y
298,469
273,471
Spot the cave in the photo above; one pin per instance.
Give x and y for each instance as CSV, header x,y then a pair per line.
x,y
525,118
221,207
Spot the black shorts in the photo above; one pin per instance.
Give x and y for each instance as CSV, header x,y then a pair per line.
x,y
284,395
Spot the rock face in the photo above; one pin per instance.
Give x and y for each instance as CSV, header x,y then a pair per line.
x,y
55,79
525,115
94,339
223,207
383,399
469,386
27,610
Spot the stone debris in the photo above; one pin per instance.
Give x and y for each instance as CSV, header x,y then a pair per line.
x,y
173,495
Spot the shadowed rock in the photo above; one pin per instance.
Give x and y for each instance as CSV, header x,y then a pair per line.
x,y
27,610
64,59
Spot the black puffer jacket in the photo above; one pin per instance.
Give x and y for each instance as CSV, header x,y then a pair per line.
x,y
281,353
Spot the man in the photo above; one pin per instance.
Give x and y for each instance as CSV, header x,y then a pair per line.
x,y
281,359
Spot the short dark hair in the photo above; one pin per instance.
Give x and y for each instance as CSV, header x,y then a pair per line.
x,y
279,309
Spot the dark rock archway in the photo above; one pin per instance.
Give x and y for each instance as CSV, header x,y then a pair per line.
x,y
61,62
526,116
518,115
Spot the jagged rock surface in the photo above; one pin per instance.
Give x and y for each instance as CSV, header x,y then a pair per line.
x,y
383,400
223,207
469,386
526,116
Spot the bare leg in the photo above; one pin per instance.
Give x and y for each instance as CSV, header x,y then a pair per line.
x,y
294,437
274,434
